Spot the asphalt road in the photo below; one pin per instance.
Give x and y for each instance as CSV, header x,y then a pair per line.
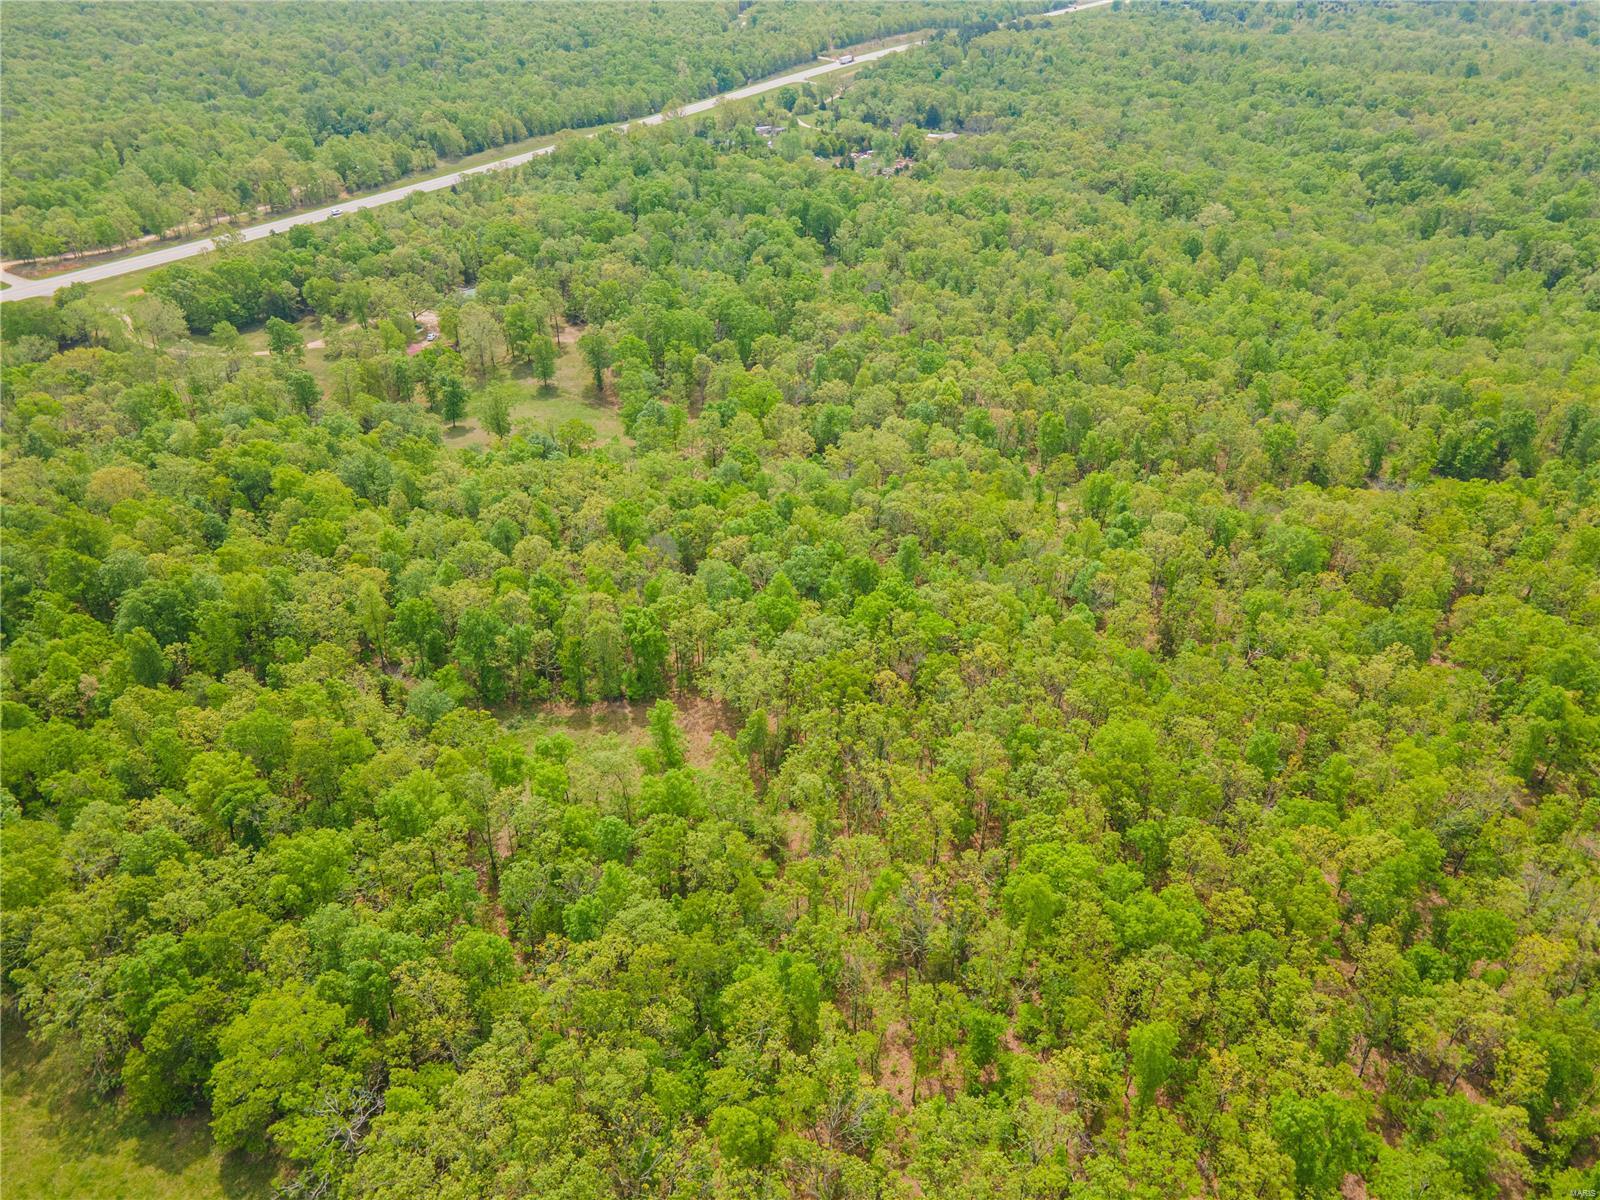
x,y
20,288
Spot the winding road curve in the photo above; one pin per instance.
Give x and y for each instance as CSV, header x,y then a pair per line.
x,y
19,288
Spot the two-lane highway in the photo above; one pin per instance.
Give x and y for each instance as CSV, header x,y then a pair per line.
x,y
20,288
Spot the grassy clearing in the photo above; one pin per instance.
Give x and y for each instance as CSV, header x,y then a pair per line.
x,y
253,344
543,409
59,1142
571,394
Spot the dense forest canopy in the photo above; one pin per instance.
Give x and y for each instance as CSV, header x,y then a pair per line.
x,y
1104,608
144,118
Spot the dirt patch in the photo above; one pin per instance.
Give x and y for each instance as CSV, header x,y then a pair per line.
x,y
313,344
799,833
700,719
467,432
896,1072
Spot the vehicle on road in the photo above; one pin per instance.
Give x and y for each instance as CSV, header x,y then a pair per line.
x,y
336,212
433,336
846,59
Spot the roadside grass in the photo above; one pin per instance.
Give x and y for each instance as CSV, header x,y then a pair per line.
x,y
57,1141
121,288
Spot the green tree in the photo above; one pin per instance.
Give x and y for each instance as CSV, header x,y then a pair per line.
x,y
277,1059
494,408
1150,1050
283,339
1326,1136
169,1071
481,340
666,740
596,350
452,399
146,663
542,357
303,390
745,1137
159,320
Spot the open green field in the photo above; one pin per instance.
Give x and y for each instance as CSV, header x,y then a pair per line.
x,y
60,1144
543,409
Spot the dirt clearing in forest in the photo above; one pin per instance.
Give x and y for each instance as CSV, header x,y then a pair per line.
x,y
699,718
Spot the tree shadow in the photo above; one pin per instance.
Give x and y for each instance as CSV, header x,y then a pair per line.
x,y
82,1126
245,1177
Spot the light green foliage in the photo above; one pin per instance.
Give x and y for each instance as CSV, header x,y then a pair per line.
x,y
1080,679
277,1059
1150,1047
1327,1138
744,1137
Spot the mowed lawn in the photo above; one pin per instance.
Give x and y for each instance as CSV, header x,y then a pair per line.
x,y
543,409
56,1143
